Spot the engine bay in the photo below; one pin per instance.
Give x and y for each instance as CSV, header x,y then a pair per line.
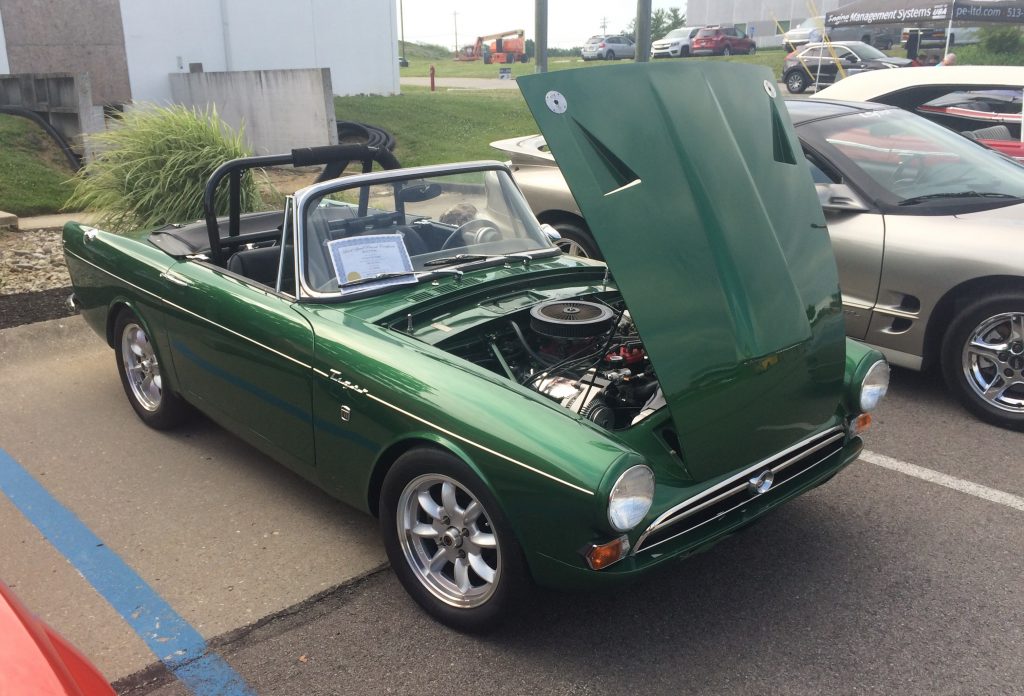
x,y
584,354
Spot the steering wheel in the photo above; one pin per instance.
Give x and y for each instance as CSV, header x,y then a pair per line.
x,y
476,231
898,176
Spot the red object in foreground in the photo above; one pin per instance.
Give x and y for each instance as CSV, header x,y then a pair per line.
x,y
35,660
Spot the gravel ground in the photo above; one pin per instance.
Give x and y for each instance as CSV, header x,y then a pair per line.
x,y
34,281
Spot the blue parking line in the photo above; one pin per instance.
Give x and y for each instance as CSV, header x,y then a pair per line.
x,y
172,639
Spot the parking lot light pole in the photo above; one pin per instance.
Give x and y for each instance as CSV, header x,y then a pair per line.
x,y
643,31
540,41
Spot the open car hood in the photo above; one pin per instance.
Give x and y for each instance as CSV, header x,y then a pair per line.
x,y
696,191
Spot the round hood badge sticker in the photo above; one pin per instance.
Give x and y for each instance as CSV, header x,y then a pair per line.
x,y
556,102
770,88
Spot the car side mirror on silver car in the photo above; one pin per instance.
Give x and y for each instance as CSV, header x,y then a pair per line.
x,y
839,198
552,234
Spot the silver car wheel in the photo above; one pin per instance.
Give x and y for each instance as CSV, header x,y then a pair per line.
x,y
993,361
141,367
448,541
572,248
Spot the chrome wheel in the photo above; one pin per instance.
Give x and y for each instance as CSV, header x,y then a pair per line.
x,y
448,541
993,361
141,368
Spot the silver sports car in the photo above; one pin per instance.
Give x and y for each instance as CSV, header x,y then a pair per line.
x,y
927,228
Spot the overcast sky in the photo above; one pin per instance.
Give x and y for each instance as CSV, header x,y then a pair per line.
x,y
570,22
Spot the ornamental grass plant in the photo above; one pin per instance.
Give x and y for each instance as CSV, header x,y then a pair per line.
x,y
152,165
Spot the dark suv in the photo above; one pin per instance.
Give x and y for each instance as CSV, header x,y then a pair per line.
x,y
721,41
819,63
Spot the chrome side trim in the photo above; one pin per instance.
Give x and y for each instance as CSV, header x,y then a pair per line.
x,y
328,376
193,314
672,515
479,446
894,312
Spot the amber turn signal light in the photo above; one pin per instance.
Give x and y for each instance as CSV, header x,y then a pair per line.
x,y
603,555
860,424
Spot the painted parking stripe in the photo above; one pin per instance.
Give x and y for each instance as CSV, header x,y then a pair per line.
x,y
957,484
172,639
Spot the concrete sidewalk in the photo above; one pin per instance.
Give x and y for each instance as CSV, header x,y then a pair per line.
x,y
42,222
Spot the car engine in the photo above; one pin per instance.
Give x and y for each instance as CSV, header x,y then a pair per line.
x,y
583,354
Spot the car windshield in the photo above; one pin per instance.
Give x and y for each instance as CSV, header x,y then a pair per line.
x,y
812,23
394,232
704,33
865,51
678,33
903,160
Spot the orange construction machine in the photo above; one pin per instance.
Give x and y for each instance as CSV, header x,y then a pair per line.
x,y
504,47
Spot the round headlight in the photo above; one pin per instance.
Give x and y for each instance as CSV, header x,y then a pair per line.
x,y
874,386
631,498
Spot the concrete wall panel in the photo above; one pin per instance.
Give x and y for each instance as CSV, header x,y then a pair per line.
x,y
84,36
280,109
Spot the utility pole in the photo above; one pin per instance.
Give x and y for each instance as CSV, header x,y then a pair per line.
x,y
643,31
401,19
540,42
455,18
604,25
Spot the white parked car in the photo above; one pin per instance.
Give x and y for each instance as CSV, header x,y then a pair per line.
x,y
675,44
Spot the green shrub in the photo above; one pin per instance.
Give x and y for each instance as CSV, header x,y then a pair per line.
x,y
996,39
152,166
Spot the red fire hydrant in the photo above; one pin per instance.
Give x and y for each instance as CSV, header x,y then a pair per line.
x,y
431,78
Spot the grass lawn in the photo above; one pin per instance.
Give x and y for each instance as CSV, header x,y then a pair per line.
x,y
443,126
33,173
419,65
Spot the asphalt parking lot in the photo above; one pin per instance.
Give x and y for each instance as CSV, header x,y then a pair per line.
x,y
903,574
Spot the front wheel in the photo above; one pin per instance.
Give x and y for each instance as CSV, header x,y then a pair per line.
x,y
141,377
983,359
726,51
610,55
576,240
752,51
448,542
796,82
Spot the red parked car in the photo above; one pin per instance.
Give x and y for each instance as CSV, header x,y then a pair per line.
x,y
35,659
721,41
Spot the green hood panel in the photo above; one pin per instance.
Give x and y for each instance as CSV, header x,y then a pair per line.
x,y
692,180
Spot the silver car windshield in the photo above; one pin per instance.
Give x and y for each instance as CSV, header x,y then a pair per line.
x,y
393,233
904,160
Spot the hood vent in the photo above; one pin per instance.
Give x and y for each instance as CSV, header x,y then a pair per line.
x,y
574,319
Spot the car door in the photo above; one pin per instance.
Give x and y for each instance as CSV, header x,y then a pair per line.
x,y
243,355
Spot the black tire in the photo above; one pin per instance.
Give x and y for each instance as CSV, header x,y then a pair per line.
x,y
684,52
727,51
576,240
752,51
158,407
610,55
965,374
419,467
796,81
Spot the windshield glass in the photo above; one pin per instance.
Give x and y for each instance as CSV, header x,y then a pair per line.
x,y
365,237
901,159
812,23
866,51
678,33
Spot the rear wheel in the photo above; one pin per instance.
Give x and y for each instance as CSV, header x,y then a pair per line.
x,y
448,542
752,51
727,51
141,377
796,81
983,359
610,55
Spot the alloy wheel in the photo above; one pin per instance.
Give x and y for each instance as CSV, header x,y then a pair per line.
x,y
448,541
993,361
141,367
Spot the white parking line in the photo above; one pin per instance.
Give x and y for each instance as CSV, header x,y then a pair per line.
x,y
957,484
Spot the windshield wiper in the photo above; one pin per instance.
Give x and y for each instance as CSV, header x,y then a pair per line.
x,y
375,278
458,258
955,194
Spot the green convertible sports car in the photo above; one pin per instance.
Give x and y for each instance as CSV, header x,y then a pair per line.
x,y
412,341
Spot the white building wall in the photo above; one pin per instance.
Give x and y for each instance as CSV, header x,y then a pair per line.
x,y
5,66
356,39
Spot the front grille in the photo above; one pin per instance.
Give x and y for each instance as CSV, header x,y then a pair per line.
x,y
734,492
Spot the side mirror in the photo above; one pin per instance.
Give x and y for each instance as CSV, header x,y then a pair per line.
x,y
839,198
419,191
552,234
